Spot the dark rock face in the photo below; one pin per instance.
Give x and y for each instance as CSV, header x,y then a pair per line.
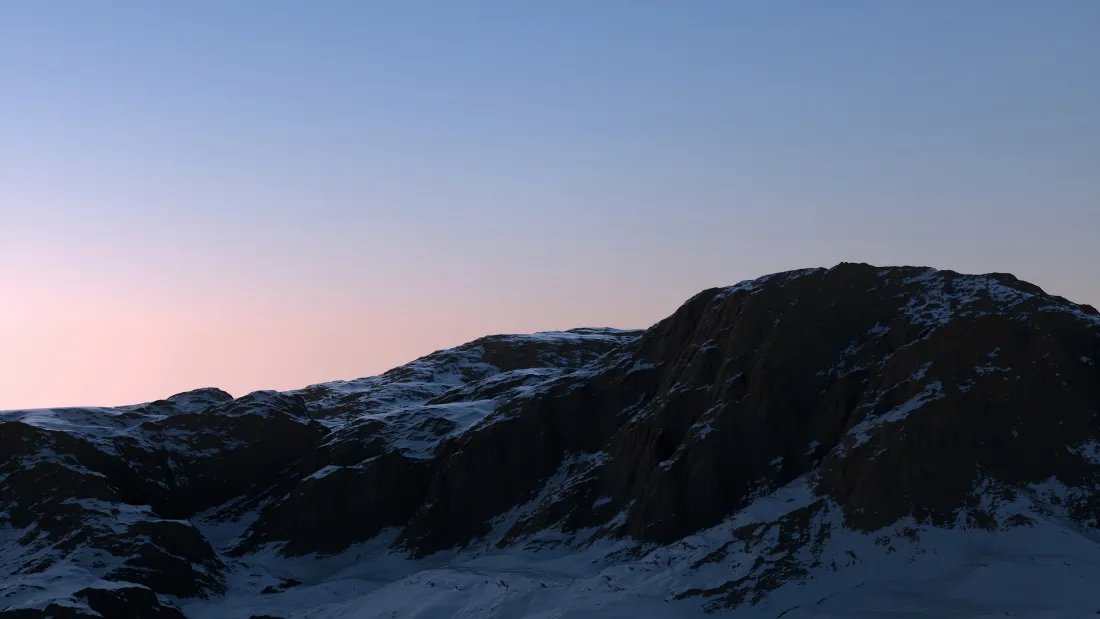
x,y
901,393
221,452
902,386
162,555
349,504
117,603
108,489
127,603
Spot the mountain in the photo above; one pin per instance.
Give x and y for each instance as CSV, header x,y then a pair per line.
x,y
846,442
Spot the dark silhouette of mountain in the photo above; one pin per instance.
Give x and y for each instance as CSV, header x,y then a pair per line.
x,y
825,442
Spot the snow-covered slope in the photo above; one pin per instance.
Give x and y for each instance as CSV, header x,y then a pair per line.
x,y
788,551
158,495
851,442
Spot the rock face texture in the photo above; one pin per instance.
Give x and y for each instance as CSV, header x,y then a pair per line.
x,y
778,446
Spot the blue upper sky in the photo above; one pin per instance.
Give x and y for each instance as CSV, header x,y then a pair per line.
x,y
598,160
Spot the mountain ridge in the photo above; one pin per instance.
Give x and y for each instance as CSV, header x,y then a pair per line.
x,y
890,405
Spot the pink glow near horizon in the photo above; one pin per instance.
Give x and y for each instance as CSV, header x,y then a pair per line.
x,y
67,345
267,195
63,344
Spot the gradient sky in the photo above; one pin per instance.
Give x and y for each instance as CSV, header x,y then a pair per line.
x,y
270,194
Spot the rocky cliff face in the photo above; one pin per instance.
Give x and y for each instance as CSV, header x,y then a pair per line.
x,y
793,444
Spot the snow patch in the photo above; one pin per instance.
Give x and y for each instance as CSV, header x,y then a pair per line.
x,y
861,431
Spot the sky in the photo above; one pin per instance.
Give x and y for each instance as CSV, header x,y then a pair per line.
x,y
266,195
